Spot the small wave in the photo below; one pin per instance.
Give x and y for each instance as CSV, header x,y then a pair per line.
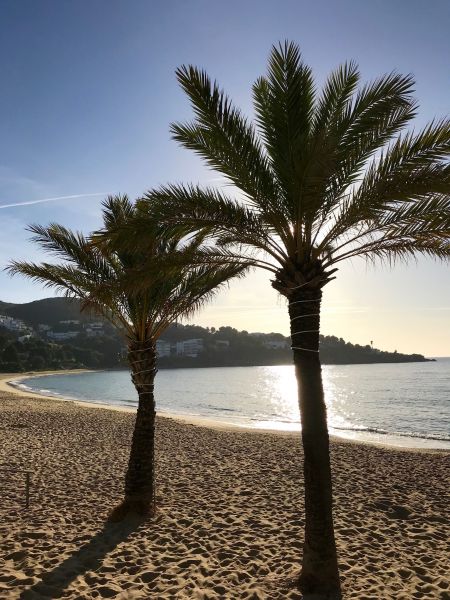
x,y
29,388
361,428
42,391
221,409
425,436
410,434
265,419
19,385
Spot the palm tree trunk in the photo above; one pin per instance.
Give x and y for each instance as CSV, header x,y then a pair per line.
x,y
140,475
320,575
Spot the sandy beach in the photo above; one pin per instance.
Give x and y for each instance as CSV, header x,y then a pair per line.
x,y
230,519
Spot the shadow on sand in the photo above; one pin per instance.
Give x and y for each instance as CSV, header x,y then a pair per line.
x,y
88,558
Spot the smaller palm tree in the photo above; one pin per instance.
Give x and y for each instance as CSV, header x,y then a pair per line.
x,y
141,293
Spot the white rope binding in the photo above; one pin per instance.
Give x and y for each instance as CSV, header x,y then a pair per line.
x,y
306,349
298,301
145,371
297,287
305,331
303,316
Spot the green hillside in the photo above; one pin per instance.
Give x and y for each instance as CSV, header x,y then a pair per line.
x,y
222,347
49,311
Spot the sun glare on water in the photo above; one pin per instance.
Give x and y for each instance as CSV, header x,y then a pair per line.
x,y
281,389
280,386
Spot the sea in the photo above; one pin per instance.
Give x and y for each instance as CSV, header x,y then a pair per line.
x,y
401,404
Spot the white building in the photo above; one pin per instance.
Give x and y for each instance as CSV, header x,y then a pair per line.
x,y
190,348
25,337
163,348
70,322
90,332
13,324
275,344
62,335
43,327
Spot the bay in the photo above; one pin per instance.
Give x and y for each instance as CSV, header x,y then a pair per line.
x,y
404,404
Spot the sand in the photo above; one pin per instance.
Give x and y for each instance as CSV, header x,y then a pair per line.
x,y
230,518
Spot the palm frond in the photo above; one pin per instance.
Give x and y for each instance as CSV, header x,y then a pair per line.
x,y
395,249
335,100
59,241
200,285
189,209
224,137
284,106
62,278
362,126
411,170
116,211
139,290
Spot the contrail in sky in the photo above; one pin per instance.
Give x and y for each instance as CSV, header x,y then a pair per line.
x,y
42,200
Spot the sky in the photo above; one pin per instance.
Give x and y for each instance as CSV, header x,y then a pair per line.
x,y
88,92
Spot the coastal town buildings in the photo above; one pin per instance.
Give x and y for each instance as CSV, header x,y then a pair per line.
x,y
13,324
190,348
57,336
275,344
163,348
81,331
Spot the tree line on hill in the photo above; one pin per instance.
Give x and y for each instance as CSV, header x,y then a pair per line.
x,y
35,354
250,349
224,346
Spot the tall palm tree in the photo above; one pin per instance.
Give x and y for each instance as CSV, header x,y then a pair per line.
x,y
322,177
141,293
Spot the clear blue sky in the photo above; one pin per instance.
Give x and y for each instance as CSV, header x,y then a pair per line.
x,y
88,92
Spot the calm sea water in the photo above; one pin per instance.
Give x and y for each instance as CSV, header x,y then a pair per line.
x,y
402,404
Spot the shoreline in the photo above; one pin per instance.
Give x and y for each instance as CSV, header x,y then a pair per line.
x,y
10,382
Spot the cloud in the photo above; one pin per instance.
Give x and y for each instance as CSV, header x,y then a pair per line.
x,y
53,199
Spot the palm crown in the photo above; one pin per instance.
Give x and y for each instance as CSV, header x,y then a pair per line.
x,y
325,176
172,283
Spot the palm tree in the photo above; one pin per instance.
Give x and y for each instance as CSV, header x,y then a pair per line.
x,y
323,177
141,294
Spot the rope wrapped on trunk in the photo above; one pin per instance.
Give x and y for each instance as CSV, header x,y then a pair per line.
x,y
306,349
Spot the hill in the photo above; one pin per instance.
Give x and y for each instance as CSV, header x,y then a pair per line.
x,y
49,311
4,306
53,334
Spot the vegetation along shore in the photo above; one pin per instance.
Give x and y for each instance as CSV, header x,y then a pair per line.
x,y
53,334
